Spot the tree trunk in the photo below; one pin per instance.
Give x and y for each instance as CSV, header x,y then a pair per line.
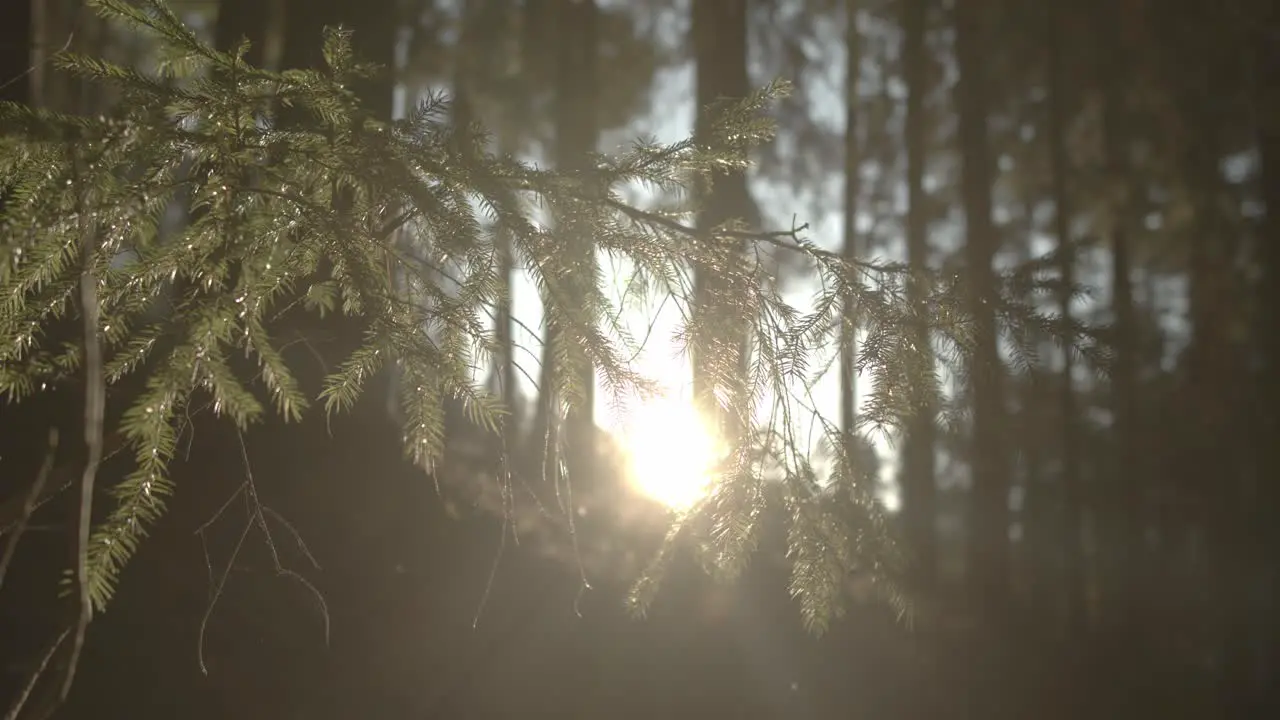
x,y
20,50
539,23
52,26
919,488
720,52
852,166
1072,511
349,482
503,378
1199,67
577,136
374,23
988,557
240,20
1266,61
1129,572
505,362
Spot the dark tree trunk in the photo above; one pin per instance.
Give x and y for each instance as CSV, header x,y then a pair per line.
x,y
852,167
1266,48
919,488
1072,511
17,41
577,137
1130,570
343,482
240,20
55,25
720,53
988,558
374,24
1200,66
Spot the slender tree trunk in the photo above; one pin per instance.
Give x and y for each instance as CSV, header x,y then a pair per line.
x,y
720,50
506,361
1266,67
1130,571
374,23
538,16
22,431
1039,545
852,166
988,559
1194,46
17,51
1212,364
373,27
507,131
53,23
36,23
240,20
919,480
577,136
1072,511
352,479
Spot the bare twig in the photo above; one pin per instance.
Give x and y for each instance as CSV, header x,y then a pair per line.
x,y
257,517
216,587
94,409
260,519
297,536
29,504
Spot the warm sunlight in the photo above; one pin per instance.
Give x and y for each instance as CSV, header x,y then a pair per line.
x,y
671,452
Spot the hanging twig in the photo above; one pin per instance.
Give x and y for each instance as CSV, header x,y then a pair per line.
x,y
257,517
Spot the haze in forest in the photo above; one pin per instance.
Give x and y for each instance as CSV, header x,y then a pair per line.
x,y
682,358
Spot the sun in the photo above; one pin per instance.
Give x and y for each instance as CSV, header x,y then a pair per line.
x,y
671,452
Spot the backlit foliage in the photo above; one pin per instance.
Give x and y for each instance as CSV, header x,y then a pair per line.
x,y
394,225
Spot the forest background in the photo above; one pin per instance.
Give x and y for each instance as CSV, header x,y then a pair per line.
x,y
1087,533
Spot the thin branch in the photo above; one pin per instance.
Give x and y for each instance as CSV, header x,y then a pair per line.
x,y
29,505
776,238
216,588
293,532
95,397
258,518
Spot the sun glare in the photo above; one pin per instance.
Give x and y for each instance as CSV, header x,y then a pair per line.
x,y
671,451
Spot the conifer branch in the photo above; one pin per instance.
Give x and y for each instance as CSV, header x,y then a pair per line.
x,y
776,238
395,226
